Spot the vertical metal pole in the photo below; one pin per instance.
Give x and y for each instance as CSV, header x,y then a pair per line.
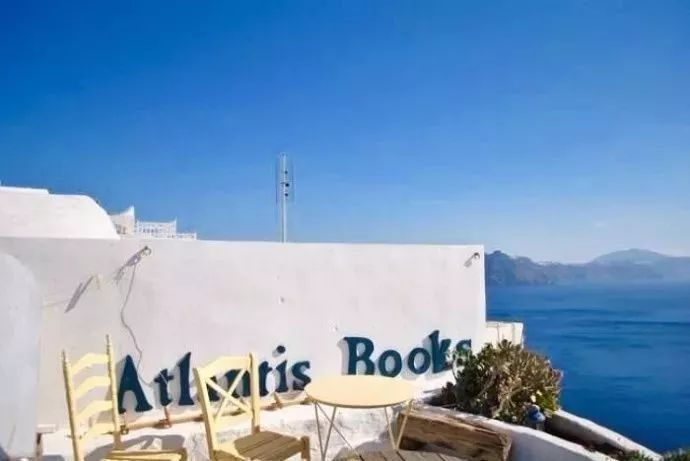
x,y
284,191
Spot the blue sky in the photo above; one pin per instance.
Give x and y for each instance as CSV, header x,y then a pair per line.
x,y
556,130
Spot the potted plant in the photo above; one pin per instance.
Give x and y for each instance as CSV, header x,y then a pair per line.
x,y
505,382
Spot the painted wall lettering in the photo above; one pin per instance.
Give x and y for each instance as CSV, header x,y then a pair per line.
x,y
360,356
162,380
413,360
185,396
129,381
357,354
299,371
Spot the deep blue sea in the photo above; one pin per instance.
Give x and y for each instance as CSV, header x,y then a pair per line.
x,y
625,351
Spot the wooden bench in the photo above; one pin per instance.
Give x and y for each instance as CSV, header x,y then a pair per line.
x,y
463,437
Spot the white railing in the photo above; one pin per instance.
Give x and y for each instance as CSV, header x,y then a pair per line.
x,y
498,331
161,230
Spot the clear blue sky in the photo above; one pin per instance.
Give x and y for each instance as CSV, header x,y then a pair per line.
x,y
556,130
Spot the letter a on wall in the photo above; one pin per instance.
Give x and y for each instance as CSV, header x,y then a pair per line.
x,y
130,383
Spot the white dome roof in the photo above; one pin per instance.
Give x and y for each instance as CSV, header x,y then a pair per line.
x,y
39,214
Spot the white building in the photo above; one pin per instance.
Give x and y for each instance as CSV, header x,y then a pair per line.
x,y
127,225
171,305
36,213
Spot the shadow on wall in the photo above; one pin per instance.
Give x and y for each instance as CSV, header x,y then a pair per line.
x,y
115,277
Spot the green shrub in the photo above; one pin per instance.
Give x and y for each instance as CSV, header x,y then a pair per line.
x,y
500,382
678,455
633,456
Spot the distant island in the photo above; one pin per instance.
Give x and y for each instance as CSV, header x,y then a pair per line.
x,y
634,265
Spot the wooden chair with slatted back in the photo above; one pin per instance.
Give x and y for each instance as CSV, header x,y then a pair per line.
x,y
259,445
95,409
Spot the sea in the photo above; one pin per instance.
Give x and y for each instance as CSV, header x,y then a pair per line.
x,y
624,350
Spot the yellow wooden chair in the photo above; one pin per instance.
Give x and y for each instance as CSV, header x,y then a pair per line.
x,y
95,409
259,445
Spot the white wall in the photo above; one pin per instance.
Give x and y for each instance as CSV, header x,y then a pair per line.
x,y
572,426
20,316
215,298
527,444
36,213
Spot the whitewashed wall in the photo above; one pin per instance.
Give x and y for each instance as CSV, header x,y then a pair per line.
x,y
526,443
20,317
36,213
215,298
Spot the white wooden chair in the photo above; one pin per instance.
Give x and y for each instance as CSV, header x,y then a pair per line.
x,y
259,445
95,409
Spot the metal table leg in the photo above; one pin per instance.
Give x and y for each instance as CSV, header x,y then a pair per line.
x,y
323,447
395,441
401,429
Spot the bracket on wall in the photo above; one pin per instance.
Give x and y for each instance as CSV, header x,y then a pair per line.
x,y
474,256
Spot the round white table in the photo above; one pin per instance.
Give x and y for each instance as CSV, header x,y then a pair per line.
x,y
362,392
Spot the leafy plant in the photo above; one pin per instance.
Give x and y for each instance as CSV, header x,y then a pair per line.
x,y
501,382
633,456
678,455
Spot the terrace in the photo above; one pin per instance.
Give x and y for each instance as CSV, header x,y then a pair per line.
x,y
309,312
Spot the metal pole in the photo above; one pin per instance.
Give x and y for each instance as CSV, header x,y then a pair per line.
x,y
284,185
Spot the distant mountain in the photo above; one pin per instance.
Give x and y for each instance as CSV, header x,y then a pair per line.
x,y
667,267
632,256
621,266
501,269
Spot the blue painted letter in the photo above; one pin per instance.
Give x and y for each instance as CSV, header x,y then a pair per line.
x,y
397,363
298,371
365,357
426,360
185,396
438,352
162,380
130,382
